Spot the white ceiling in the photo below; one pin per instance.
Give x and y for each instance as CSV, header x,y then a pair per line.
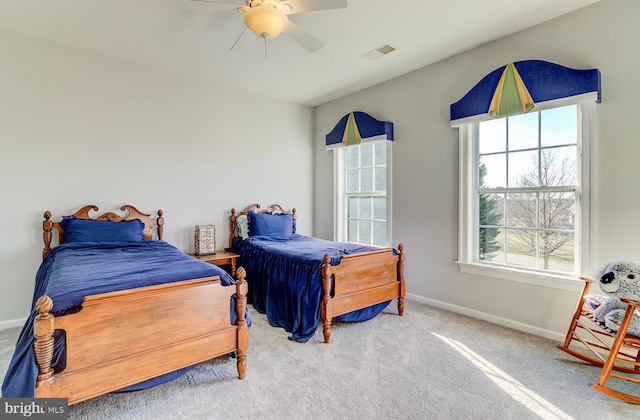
x,y
194,39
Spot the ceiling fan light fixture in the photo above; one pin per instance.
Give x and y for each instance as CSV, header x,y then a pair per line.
x,y
265,21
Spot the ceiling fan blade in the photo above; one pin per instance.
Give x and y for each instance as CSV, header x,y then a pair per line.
x,y
303,6
304,38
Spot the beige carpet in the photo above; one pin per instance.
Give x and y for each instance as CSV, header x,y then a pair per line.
x,y
428,364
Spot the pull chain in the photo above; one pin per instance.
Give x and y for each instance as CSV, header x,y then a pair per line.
x,y
265,48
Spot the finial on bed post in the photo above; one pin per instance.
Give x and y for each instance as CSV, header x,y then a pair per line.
x,y
401,284
325,310
241,322
160,224
43,329
233,219
295,216
47,226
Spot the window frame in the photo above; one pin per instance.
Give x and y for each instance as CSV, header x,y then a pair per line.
x,y
340,195
468,211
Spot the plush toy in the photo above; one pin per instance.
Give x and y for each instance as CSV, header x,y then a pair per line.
x,y
620,280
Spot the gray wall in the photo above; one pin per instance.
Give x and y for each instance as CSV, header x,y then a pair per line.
x,y
425,162
78,128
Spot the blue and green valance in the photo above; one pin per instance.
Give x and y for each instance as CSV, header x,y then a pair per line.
x,y
357,127
519,87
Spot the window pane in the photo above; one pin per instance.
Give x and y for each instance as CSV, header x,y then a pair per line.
x,y
366,180
523,169
521,248
556,251
364,233
492,136
364,208
353,157
353,180
352,231
559,126
352,207
491,210
380,208
494,174
380,152
522,210
366,154
490,244
379,233
523,131
557,211
558,166
381,179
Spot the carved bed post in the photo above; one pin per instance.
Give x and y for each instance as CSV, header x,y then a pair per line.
x,y
160,224
325,310
233,227
295,216
47,226
241,322
402,285
43,346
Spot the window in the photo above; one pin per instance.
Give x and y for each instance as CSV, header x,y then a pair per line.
x,y
524,191
362,193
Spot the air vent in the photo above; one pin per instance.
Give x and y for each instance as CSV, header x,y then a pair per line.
x,y
379,52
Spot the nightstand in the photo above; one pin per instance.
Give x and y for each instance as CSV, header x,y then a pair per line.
x,y
220,258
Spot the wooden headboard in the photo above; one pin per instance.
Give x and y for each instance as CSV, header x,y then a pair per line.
x,y
83,213
274,208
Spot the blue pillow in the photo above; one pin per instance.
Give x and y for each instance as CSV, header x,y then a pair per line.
x,y
87,230
270,224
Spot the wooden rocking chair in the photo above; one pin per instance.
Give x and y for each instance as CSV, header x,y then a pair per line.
x,y
591,342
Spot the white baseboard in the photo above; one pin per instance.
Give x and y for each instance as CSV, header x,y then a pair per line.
x,y
12,323
552,335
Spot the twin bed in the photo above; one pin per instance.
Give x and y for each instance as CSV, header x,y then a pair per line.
x,y
115,310
301,281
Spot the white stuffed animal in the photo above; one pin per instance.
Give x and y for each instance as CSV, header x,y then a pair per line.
x,y
620,280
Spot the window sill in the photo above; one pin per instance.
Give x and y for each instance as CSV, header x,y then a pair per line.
x,y
553,281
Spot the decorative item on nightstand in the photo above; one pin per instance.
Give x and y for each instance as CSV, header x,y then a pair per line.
x,y
205,240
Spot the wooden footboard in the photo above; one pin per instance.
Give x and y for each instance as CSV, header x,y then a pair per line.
x,y
359,281
122,338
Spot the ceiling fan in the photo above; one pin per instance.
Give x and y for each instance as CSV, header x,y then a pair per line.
x,y
269,18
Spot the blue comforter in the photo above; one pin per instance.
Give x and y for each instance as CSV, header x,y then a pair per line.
x,y
284,275
75,270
